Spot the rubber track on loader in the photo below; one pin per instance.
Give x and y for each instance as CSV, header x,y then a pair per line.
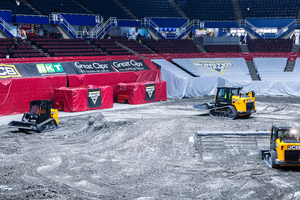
x,y
228,112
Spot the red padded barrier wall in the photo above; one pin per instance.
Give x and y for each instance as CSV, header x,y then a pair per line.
x,y
138,94
75,99
112,79
16,93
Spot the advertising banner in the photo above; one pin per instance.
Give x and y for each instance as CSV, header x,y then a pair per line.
x,y
67,68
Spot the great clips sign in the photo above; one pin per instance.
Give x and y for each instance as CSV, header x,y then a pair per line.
x,y
89,67
66,68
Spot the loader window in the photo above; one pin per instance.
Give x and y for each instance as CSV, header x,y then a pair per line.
x,y
34,110
285,134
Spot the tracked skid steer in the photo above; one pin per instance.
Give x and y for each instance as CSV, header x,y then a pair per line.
x,y
230,103
42,117
284,147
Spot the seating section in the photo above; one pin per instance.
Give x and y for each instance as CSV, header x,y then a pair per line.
x,y
23,51
135,46
21,9
270,45
222,48
106,8
172,46
270,8
151,8
110,46
63,6
64,47
208,10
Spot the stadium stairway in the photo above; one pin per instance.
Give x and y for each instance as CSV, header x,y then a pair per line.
x,y
178,8
289,66
31,7
252,71
237,9
79,4
244,48
295,48
201,48
126,9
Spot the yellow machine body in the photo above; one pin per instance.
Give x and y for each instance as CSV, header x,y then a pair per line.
x,y
54,114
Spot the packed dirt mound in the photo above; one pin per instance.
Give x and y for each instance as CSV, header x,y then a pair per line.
x,y
148,152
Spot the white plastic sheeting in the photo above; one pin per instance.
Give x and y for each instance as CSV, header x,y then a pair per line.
x,y
176,78
297,65
284,88
214,66
279,76
181,84
269,64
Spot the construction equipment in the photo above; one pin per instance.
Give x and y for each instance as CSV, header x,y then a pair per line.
x,y
230,103
284,147
42,117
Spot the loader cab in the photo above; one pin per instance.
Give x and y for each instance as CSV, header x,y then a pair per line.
x,y
286,133
39,110
224,95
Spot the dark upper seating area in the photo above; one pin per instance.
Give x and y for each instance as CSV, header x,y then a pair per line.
x,y
15,9
151,8
63,6
270,45
106,8
270,8
209,10
222,48
24,50
110,46
64,47
172,46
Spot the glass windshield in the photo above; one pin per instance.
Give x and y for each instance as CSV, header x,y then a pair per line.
x,y
34,110
235,91
286,133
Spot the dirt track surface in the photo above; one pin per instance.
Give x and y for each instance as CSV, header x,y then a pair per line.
x,y
148,152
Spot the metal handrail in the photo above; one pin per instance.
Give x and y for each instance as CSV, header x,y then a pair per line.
x,y
97,30
287,27
6,26
188,25
58,17
149,23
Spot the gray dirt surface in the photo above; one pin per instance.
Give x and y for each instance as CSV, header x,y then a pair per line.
x,y
148,153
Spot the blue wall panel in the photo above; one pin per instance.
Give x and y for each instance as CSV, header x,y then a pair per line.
x,y
129,23
220,25
169,22
6,15
28,19
270,22
85,20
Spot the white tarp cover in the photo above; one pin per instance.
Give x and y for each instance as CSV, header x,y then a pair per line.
x,y
279,76
176,78
214,66
181,84
272,88
269,64
297,65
